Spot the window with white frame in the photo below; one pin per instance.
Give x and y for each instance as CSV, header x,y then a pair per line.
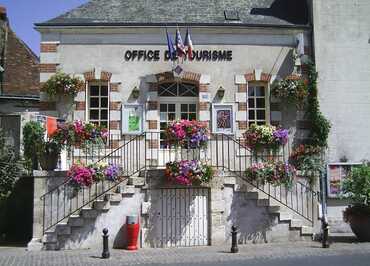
x,y
257,105
98,103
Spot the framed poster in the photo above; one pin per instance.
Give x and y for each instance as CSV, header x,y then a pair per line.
x,y
223,118
132,119
336,173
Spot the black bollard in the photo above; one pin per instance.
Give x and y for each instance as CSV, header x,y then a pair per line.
x,y
234,240
105,254
325,235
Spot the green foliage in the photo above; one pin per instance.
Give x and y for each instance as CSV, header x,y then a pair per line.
x,y
356,186
33,135
320,126
62,84
9,169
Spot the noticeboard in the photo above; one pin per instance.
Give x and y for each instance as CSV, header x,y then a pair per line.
x,y
336,173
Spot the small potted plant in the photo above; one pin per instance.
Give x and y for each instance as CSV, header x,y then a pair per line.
x,y
48,152
356,187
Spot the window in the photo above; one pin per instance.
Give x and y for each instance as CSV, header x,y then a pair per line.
x,y
257,105
176,89
98,99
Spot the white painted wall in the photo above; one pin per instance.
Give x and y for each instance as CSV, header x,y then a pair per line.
x,y
342,47
342,36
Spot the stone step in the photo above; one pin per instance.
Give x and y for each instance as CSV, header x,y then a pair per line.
x,y
63,229
89,213
114,199
50,237
136,181
283,216
295,223
307,230
274,209
101,205
128,190
75,221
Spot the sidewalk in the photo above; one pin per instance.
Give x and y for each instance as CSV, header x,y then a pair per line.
x,y
190,256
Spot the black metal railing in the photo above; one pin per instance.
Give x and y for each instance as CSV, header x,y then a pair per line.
x,y
63,200
147,151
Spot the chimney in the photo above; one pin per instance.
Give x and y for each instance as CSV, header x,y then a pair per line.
x,y
3,13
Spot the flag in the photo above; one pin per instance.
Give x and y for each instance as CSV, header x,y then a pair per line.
x,y
51,125
171,48
188,45
180,48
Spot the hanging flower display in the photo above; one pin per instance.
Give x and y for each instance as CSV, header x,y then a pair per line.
x,y
275,173
189,172
80,134
260,137
292,90
62,84
84,176
188,134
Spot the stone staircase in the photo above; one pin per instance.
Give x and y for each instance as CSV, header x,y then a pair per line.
x,y
283,224
57,237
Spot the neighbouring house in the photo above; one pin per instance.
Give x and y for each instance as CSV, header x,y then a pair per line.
x,y
19,81
19,96
122,51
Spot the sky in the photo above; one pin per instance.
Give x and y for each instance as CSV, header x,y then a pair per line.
x,y
22,15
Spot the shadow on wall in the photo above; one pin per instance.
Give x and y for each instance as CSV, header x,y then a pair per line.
x,y
292,11
252,221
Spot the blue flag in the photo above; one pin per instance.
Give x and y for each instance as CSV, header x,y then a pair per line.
x,y
171,48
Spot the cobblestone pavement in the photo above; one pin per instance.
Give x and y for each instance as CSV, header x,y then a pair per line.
x,y
10,256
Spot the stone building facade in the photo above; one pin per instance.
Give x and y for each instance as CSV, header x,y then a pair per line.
x,y
119,49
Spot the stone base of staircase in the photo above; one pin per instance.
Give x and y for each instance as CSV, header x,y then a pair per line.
x,y
258,219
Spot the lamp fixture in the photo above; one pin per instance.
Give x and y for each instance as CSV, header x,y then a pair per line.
x,y
135,92
220,92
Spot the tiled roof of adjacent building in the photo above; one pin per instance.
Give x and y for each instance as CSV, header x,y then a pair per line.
x,y
190,12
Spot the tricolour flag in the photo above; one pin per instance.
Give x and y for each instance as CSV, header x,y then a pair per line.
x,y
171,48
180,48
188,45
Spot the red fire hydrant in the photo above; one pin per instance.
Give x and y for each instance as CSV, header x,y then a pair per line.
x,y
133,227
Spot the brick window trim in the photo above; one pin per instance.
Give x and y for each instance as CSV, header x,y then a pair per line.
x,y
242,125
80,106
153,105
48,47
242,106
48,68
203,106
114,125
152,124
115,106
114,87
